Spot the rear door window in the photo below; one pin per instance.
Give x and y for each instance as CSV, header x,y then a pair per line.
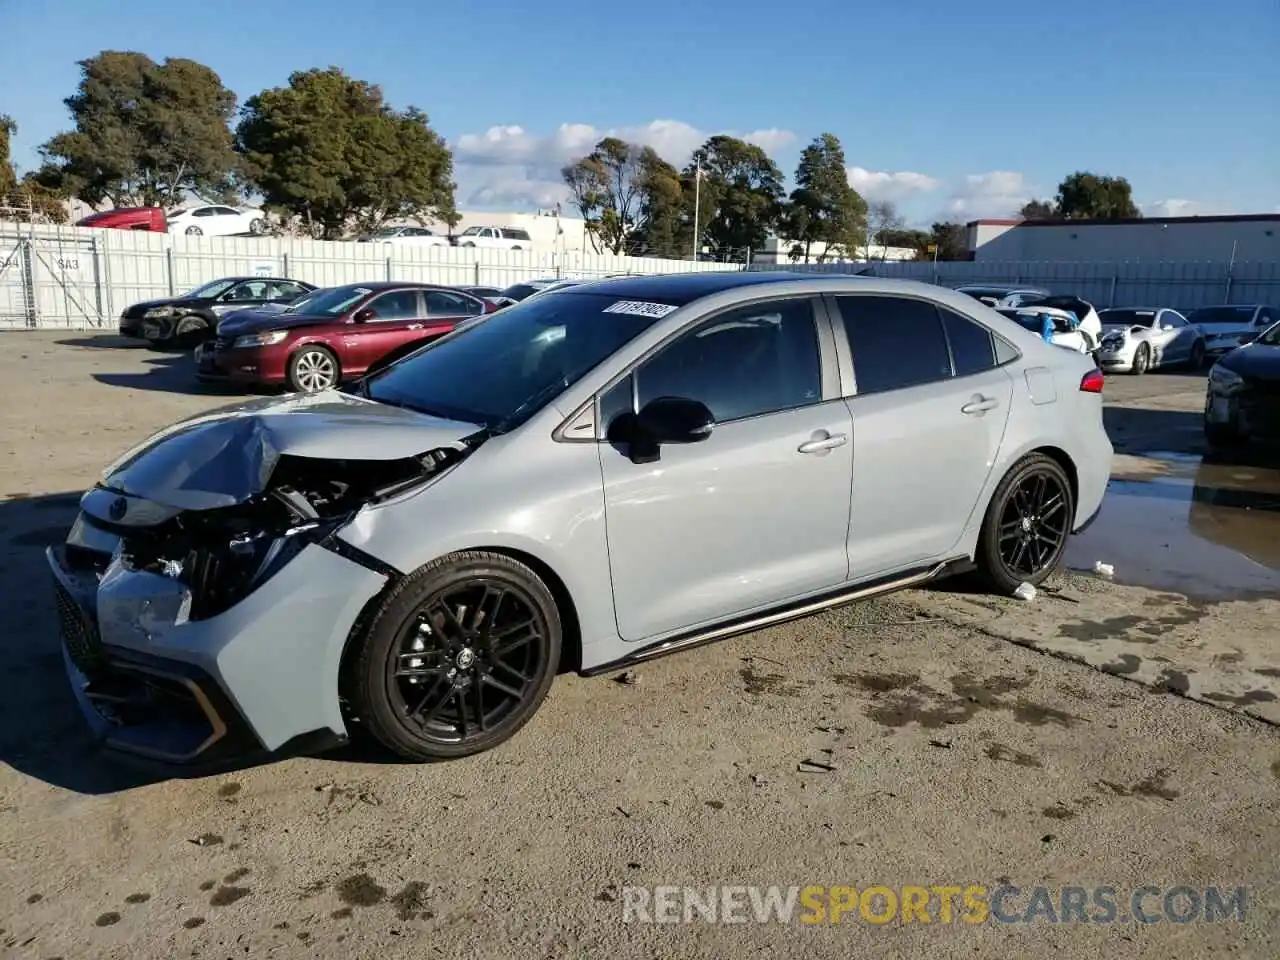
x,y
972,349
896,342
397,305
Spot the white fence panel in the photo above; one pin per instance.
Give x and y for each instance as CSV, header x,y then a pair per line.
x,y
1122,284
72,277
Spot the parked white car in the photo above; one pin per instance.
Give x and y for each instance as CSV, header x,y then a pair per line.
x,y
216,220
406,236
496,238
1065,333
1138,339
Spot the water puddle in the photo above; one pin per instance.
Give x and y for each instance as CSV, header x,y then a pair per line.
x,y
1174,522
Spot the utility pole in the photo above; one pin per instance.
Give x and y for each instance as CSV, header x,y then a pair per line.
x,y
697,201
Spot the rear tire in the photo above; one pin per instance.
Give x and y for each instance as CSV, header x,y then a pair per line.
x,y
312,369
436,677
1197,355
194,232
1027,524
257,227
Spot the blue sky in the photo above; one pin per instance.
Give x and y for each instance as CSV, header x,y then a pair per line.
x,y
949,109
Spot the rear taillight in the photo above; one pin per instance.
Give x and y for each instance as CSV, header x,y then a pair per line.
x,y
1092,382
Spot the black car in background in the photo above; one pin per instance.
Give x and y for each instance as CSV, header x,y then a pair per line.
x,y
1242,400
191,318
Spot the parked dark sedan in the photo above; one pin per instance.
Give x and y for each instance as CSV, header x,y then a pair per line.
x,y
335,334
190,318
1242,401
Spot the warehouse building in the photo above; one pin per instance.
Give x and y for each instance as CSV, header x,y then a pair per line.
x,y
1245,237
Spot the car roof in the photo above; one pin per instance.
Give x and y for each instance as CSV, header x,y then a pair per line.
x,y
681,289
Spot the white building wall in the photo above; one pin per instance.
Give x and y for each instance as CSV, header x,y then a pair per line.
x,y
1172,240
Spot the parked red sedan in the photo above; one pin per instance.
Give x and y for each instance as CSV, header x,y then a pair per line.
x,y
332,335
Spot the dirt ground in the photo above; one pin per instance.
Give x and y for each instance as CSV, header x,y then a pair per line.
x,y
939,737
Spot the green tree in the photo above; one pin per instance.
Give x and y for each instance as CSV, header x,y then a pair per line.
x,y
630,198
1090,196
26,198
917,240
951,240
741,193
330,151
662,231
1037,210
824,208
145,132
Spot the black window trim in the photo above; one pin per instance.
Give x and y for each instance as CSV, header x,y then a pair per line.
x,y
460,294
827,363
844,352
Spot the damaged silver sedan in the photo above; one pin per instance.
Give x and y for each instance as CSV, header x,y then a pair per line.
x,y
601,475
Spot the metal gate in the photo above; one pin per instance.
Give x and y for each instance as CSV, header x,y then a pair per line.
x,y
49,280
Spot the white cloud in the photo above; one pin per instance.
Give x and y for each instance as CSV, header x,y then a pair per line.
x,y
896,187
1174,207
998,194
509,166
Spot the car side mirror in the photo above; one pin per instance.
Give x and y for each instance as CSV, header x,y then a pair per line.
x,y
365,315
663,420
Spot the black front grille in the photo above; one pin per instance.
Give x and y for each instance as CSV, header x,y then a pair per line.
x,y
222,343
78,632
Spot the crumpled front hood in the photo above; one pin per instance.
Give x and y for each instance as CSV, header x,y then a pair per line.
x,y
227,456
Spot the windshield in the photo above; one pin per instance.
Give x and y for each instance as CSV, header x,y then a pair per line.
x,y
471,231
329,302
1127,318
502,371
209,290
1270,337
1236,316
385,232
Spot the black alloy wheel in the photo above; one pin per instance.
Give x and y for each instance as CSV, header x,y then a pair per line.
x,y
1027,524
458,657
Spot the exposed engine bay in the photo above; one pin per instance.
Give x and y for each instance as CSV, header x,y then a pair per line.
x,y
222,554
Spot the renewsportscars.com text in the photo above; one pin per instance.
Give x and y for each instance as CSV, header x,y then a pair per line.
x,y
939,904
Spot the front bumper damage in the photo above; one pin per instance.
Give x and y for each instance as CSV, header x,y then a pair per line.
x,y
205,596
258,679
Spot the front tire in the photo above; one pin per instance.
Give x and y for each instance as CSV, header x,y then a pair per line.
x,y
457,658
1027,524
1222,436
1141,359
312,369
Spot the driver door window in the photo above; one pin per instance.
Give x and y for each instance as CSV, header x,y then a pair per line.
x,y
745,363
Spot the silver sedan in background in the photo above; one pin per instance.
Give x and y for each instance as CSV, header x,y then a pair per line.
x,y
1138,339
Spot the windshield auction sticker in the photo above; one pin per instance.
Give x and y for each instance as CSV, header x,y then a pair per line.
x,y
640,308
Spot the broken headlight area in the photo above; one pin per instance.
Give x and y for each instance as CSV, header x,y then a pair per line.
x,y
221,555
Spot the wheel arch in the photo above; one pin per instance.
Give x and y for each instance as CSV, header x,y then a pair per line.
x,y
298,347
570,641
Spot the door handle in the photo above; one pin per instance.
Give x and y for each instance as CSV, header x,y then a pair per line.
x,y
980,404
824,443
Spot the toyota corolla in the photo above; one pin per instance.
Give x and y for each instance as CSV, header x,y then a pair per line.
x,y
604,474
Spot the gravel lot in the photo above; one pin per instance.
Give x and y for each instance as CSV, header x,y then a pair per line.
x,y
959,739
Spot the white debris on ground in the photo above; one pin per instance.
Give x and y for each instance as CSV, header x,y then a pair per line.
x,y
1104,570
1025,591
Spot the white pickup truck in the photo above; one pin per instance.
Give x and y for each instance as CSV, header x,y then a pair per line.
x,y
496,238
